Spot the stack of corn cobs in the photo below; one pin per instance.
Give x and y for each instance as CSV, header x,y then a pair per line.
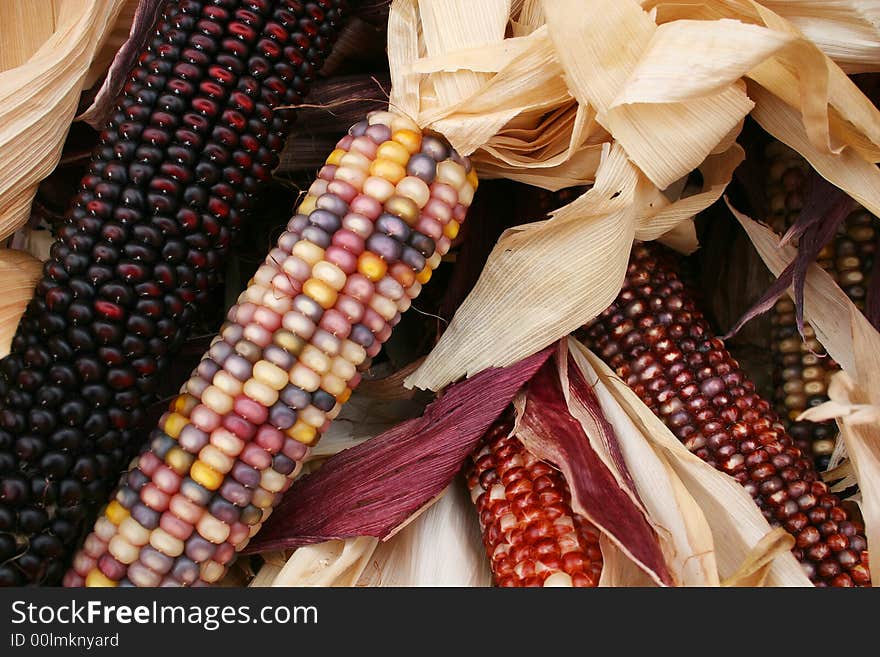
x,y
87,498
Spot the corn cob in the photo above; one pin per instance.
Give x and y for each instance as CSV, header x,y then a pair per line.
x,y
194,136
660,344
801,371
531,534
371,230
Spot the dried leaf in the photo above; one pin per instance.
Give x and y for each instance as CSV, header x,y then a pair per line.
x,y
332,563
599,493
141,26
374,488
38,100
442,547
19,273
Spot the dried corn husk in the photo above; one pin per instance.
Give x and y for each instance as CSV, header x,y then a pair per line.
x,y
38,98
630,96
19,272
855,392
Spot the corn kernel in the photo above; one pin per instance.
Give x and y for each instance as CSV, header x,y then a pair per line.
x,y
372,266
409,139
205,475
179,460
115,512
335,157
394,152
260,392
425,275
96,578
451,229
388,169
472,179
270,374
303,433
307,204
175,424
308,251
320,292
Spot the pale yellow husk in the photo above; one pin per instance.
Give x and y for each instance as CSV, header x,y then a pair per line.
x,y
855,391
40,93
631,97
19,272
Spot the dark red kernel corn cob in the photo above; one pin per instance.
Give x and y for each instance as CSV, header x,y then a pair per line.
x,y
195,135
531,534
661,345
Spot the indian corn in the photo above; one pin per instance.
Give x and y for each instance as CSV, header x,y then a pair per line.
x,y
195,135
368,235
801,369
660,344
531,534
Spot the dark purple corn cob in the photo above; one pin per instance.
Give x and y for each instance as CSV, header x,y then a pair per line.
x,y
660,344
195,135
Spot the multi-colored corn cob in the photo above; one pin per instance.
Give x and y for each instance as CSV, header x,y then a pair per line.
x,y
801,370
195,134
531,534
371,230
660,344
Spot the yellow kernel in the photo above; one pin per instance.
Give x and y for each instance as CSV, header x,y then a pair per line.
x,y
352,176
304,377
388,169
466,195
270,374
473,180
335,156
264,500
179,460
260,392
315,359
97,579
115,512
217,400
451,229
307,205
289,341
205,475
424,276
451,173
344,397
391,150
403,207
308,251
303,433
320,292
409,139
175,424
213,457
372,266
184,404
330,274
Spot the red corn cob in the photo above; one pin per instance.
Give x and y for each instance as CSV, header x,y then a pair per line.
x,y
660,344
531,534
